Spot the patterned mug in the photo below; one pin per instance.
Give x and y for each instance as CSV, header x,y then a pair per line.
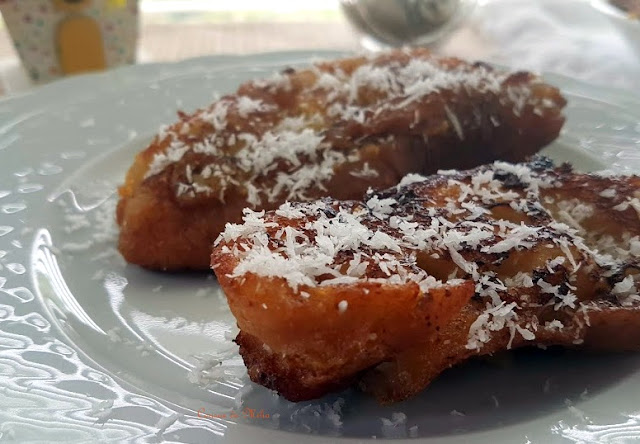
x,y
55,38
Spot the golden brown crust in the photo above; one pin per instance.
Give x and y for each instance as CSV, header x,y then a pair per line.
x,y
552,257
368,135
303,345
292,381
611,328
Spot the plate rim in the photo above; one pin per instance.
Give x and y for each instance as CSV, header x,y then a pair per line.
x,y
195,63
621,94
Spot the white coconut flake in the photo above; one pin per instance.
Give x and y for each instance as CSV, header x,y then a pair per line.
x,y
165,422
365,173
335,246
520,280
247,105
554,325
102,410
76,247
287,210
608,193
626,292
114,334
294,147
381,207
397,419
410,179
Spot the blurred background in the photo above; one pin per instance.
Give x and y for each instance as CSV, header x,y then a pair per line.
x,y
570,37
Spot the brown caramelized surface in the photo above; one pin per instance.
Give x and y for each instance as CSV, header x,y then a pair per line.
x,y
334,129
548,256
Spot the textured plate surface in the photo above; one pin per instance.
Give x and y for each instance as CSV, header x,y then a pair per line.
x,y
94,349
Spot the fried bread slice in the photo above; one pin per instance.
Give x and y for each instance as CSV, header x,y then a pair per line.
x,y
321,312
552,256
334,129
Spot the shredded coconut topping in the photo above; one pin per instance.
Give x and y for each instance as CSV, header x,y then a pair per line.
x,y
394,236
251,145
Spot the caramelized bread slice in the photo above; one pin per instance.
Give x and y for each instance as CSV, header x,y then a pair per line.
x,y
314,319
551,256
334,129
599,268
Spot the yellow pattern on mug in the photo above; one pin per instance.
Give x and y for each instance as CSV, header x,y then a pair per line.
x,y
79,39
